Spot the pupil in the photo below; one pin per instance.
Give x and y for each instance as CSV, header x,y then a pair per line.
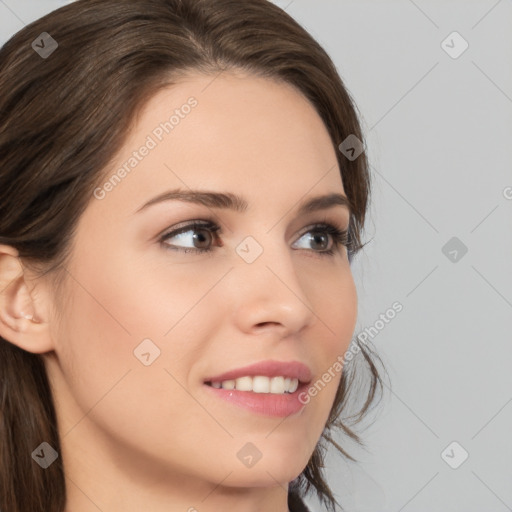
x,y
199,237
316,239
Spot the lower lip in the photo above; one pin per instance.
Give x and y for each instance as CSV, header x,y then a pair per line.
x,y
267,404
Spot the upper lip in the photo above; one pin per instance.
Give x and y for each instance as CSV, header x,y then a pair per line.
x,y
272,368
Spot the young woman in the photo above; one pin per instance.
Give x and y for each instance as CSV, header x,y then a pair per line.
x,y
177,223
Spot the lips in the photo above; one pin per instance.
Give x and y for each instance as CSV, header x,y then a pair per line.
x,y
271,368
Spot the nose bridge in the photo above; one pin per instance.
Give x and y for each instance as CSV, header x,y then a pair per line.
x,y
270,289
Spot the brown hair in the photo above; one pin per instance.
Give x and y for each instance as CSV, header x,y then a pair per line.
x,y
62,120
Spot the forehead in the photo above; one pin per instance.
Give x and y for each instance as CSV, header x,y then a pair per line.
x,y
251,134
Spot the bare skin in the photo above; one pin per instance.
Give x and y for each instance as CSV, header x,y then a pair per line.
x,y
138,437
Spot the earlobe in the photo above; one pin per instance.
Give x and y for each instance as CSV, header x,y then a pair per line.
x,y
21,323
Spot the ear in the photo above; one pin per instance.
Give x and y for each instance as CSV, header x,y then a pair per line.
x,y
23,311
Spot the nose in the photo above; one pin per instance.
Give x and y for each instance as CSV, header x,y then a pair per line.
x,y
271,295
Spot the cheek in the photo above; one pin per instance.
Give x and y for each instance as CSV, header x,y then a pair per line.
x,y
337,316
96,337
336,311
120,310
93,344
106,380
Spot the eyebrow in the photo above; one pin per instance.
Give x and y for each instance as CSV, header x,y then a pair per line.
x,y
229,201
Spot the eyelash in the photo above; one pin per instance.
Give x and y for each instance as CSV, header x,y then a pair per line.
x,y
340,236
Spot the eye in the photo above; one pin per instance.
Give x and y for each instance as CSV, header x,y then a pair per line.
x,y
318,235
204,233
201,234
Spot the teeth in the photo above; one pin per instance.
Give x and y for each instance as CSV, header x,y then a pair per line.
x,y
228,384
260,384
243,384
277,385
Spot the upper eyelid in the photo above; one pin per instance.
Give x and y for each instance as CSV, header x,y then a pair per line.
x,y
217,226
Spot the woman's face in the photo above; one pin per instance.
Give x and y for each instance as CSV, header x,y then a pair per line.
x,y
145,323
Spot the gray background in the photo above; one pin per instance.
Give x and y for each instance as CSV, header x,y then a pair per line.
x,y
438,132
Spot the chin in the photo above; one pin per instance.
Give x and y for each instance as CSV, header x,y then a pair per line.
x,y
272,478
278,469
